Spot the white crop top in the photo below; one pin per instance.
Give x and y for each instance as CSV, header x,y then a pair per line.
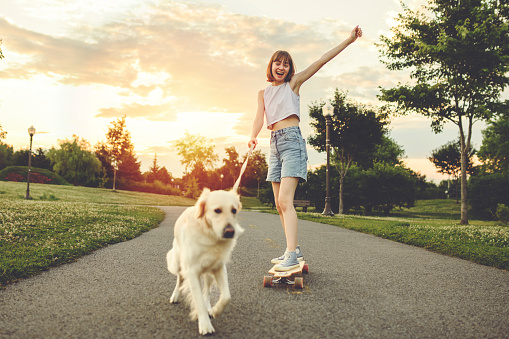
x,y
280,103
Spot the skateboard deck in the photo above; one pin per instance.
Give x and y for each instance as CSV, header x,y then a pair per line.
x,y
285,277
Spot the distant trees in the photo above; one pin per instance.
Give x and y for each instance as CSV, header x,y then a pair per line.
x,y
75,161
457,54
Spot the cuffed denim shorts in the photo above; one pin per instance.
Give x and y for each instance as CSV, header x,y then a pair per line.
x,y
288,155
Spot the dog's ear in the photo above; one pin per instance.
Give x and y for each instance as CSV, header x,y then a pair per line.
x,y
202,201
237,197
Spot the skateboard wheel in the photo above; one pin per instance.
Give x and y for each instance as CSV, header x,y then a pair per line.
x,y
305,268
299,282
267,281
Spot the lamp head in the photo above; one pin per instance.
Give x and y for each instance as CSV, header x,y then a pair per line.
x,y
327,110
31,130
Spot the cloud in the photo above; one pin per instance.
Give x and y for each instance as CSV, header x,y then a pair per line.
x,y
201,55
164,112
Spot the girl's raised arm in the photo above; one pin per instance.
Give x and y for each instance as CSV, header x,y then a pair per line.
x,y
299,78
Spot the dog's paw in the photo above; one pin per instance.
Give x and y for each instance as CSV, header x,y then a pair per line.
x,y
205,326
175,298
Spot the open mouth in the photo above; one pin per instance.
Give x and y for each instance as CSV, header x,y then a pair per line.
x,y
280,73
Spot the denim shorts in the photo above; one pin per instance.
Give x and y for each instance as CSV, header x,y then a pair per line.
x,y
288,155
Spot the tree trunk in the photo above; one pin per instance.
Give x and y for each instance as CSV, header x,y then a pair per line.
x,y
114,176
464,201
341,182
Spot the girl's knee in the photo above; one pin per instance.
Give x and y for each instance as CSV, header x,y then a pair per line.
x,y
285,205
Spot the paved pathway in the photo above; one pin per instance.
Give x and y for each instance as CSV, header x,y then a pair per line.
x,y
359,286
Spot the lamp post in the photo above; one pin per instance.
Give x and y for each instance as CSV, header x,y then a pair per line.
x,y
327,112
31,132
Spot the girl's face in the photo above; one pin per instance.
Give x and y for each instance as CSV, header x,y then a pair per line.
x,y
280,69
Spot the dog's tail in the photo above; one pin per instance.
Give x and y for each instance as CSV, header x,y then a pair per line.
x,y
237,183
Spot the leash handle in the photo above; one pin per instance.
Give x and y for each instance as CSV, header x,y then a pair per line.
x,y
237,183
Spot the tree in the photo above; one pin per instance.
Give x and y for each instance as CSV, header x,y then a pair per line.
x,y
118,146
355,132
256,170
75,162
386,186
129,167
6,151
1,54
457,52
231,165
195,150
152,171
447,159
494,151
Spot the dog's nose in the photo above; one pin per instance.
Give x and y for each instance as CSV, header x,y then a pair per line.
x,y
228,232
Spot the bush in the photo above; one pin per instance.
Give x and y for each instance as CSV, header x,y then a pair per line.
x,y
156,187
502,213
37,175
485,192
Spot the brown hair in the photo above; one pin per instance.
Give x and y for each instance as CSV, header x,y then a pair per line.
x,y
282,56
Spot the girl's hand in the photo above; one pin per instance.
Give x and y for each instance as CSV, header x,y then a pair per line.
x,y
356,33
252,143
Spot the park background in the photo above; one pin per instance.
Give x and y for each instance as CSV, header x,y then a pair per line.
x,y
70,68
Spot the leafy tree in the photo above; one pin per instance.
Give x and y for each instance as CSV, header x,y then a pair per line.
x,y
195,150
75,162
118,147
164,176
1,54
231,166
494,152
386,186
388,152
458,54
447,159
6,151
256,170
355,132
3,134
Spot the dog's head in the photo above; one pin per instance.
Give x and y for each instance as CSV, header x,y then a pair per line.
x,y
219,210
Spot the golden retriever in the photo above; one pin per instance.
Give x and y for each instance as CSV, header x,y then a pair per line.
x,y
205,235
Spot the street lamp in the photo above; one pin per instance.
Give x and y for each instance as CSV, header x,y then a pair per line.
x,y
31,132
327,112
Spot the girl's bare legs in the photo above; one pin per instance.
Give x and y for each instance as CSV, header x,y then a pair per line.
x,y
284,193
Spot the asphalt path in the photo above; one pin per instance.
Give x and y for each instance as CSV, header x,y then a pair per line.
x,y
358,286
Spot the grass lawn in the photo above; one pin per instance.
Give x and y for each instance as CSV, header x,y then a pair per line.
x,y
63,223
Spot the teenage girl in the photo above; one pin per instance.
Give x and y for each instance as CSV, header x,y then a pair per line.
x,y
280,103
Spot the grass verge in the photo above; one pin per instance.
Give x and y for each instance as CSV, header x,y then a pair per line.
x,y
481,242
37,235
62,223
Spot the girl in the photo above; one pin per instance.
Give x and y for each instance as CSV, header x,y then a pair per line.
x,y
280,103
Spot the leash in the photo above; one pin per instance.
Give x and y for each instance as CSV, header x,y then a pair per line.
x,y
237,183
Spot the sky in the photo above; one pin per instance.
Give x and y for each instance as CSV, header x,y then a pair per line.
x,y
72,67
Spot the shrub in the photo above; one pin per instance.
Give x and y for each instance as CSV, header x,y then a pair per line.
x,y
502,213
486,191
37,175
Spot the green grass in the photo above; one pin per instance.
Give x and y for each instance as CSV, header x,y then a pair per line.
x,y
63,223
17,190
433,225
483,242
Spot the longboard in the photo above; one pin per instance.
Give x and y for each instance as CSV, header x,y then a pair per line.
x,y
285,277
